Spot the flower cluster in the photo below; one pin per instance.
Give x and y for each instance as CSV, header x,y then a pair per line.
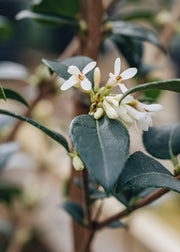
x,y
103,102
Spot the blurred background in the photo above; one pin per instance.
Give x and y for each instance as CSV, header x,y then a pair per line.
x,y
35,171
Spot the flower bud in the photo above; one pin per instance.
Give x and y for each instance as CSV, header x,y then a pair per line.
x,y
111,113
99,113
97,78
77,163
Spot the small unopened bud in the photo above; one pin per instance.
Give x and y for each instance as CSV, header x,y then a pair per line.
x,y
77,163
111,113
97,78
99,113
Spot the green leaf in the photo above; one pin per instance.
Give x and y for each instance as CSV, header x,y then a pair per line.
x,y
136,14
61,67
46,18
68,8
75,211
130,196
103,146
2,93
6,151
156,140
54,135
130,48
8,191
5,28
171,85
132,30
6,93
142,171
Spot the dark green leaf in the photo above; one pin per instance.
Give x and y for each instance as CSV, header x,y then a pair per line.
x,y
6,151
142,171
54,135
8,191
136,14
132,30
45,18
61,67
75,211
68,8
11,94
103,146
117,224
5,28
171,85
156,140
130,48
129,197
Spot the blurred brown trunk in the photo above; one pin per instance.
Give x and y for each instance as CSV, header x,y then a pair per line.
x,y
92,13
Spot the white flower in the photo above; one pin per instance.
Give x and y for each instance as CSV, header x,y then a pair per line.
x,y
131,111
110,111
116,77
79,77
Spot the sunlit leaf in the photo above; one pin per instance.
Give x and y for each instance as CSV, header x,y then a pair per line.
x,y
103,146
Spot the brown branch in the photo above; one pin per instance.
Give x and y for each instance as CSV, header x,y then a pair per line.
x,y
141,203
86,196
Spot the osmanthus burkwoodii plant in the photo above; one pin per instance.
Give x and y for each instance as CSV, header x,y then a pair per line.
x,y
101,140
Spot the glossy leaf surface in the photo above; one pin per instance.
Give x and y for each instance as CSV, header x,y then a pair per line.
x,y
142,171
170,85
103,146
156,140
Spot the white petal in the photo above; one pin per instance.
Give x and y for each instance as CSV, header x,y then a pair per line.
x,y
123,88
73,70
114,100
127,119
153,107
145,123
86,84
121,110
69,83
112,76
135,113
89,67
111,113
128,73
117,67
128,99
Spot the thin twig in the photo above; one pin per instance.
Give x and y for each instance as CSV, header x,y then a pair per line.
x,y
141,203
